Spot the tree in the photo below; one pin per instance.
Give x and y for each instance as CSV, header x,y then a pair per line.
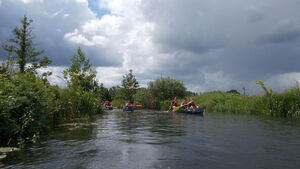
x,y
80,73
22,49
129,81
104,93
129,86
144,97
167,88
113,91
233,91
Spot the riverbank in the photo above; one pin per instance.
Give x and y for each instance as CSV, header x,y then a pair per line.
x,y
30,107
286,104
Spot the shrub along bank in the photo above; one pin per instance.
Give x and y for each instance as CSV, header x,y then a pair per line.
x,y
30,106
286,104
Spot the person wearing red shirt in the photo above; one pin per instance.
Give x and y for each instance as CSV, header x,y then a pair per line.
x,y
107,104
191,103
183,104
127,105
173,103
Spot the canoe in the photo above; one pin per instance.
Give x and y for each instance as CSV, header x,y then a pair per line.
x,y
199,110
108,108
138,106
128,109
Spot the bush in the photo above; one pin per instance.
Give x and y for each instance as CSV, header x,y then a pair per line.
x,y
144,97
164,104
166,89
29,107
25,106
117,103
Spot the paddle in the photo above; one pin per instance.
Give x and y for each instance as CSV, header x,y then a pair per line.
x,y
170,108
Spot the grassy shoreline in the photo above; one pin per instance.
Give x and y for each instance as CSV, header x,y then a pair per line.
x,y
286,104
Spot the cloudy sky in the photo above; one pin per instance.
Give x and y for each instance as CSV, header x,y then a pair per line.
x,y
207,44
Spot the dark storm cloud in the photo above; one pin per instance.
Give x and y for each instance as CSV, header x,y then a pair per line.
x,y
247,40
51,21
182,26
208,44
283,33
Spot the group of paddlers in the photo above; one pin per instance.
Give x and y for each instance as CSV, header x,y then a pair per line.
x,y
184,104
107,105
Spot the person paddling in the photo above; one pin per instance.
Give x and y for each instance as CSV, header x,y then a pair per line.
x,y
127,105
191,103
173,103
183,104
108,105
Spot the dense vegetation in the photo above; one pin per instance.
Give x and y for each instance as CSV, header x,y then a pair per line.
x,y
160,92
286,104
156,96
29,105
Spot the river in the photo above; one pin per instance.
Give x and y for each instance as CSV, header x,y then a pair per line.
x,y
154,139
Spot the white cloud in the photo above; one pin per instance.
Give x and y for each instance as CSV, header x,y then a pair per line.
x,y
70,34
108,25
66,15
32,1
99,40
125,8
110,76
82,1
209,45
53,14
57,77
283,81
80,39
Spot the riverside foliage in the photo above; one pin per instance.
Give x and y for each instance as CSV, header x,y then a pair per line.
x,y
29,104
286,104
159,93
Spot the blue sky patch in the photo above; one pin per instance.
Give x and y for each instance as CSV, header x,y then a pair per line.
x,y
94,6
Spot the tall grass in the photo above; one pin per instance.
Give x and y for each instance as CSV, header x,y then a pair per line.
x,y
285,104
229,102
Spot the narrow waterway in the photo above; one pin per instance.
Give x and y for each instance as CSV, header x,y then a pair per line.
x,y
153,139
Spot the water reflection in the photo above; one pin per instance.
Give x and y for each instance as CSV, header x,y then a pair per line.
x,y
153,139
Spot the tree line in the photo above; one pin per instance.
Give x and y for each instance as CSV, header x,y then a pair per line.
x,y
30,105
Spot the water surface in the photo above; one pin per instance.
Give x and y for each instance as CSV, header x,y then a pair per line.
x,y
153,139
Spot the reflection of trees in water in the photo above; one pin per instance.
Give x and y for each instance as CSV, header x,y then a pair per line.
x,y
149,124
67,141
166,125
75,131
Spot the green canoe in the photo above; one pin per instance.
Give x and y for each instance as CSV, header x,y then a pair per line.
x,y
128,109
199,110
108,108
